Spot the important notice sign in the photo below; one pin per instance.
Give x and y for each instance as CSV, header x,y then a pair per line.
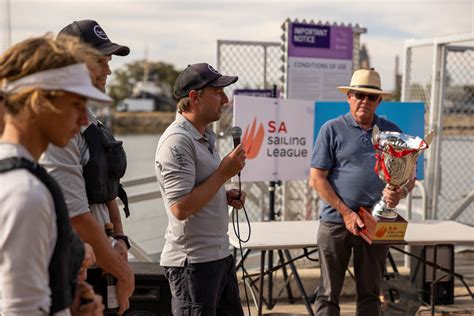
x,y
319,60
320,41
277,136
305,35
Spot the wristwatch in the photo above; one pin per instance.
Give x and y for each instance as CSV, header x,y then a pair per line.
x,y
405,192
124,238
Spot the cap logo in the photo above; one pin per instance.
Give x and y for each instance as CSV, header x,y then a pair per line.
x,y
99,32
212,69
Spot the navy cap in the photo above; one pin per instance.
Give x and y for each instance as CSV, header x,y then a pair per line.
x,y
90,32
199,76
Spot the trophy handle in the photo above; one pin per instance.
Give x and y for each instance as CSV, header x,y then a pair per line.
x,y
429,137
375,134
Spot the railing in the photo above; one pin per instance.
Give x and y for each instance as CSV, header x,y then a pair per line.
x,y
153,194
424,205
138,181
464,204
138,252
424,209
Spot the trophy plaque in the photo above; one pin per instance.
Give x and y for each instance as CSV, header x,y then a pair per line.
x,y
378,230
396,156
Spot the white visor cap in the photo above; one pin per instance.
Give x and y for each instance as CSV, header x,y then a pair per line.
x,y
73,78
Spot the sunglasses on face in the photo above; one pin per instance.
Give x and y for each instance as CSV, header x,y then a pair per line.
x,y
362,96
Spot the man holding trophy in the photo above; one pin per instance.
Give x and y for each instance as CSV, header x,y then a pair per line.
x,y
342,172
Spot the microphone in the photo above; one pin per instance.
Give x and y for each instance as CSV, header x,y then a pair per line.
x,y
236,133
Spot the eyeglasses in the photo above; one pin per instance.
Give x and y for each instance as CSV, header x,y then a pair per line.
x,y
361,96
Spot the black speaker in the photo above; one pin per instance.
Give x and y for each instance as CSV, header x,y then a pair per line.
x,y
152,295
422,274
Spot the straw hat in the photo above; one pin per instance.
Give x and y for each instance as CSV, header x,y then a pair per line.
x,y
365,80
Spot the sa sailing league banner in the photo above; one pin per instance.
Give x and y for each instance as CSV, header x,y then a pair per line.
x,y
277,135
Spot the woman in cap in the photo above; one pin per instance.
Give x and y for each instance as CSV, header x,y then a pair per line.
x,y
44,85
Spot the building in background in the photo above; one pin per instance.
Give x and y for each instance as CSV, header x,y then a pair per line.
x,y
364,59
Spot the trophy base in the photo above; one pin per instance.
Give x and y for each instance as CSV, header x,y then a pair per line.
x,y
378,230
380,210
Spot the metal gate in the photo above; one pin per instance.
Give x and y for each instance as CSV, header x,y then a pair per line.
x,y
440,73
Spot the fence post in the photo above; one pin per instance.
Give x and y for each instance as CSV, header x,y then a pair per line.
x,y
435,108
406,73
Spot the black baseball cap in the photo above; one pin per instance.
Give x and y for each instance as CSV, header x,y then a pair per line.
x,y
90,32
199,76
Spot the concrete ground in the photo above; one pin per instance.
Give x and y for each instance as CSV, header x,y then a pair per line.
x,y
348,308
463,304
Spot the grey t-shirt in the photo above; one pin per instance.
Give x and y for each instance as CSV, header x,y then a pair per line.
x,y
346,150
65,166
184,159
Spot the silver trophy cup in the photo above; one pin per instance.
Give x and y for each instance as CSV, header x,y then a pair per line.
x,y
396,156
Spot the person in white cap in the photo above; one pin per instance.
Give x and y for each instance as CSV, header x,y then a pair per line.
x,y
88,170
342,172
44,85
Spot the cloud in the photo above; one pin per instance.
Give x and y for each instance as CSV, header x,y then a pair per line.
x,y
182,32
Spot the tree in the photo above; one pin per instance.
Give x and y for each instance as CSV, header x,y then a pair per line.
x,y
125,79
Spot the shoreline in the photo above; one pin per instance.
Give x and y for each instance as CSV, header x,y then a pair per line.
x,y
157,122
141,122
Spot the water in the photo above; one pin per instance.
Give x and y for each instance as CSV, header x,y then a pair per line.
x,y
148,221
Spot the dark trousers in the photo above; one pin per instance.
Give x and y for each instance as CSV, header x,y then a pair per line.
x,y
335,245
207,289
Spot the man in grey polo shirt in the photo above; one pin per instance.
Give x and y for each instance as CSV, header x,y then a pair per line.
x,y
191,176
342,172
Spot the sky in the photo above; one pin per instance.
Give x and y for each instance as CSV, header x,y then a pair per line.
x,y
183,32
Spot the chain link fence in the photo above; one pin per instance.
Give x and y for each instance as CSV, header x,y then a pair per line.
x,y
439,72
260,65
300,200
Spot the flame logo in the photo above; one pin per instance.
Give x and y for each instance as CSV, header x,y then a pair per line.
x,y
252,140
381,232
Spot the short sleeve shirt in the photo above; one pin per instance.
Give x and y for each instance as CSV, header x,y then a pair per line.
x,y
345,149
65,165
184,159
27,237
